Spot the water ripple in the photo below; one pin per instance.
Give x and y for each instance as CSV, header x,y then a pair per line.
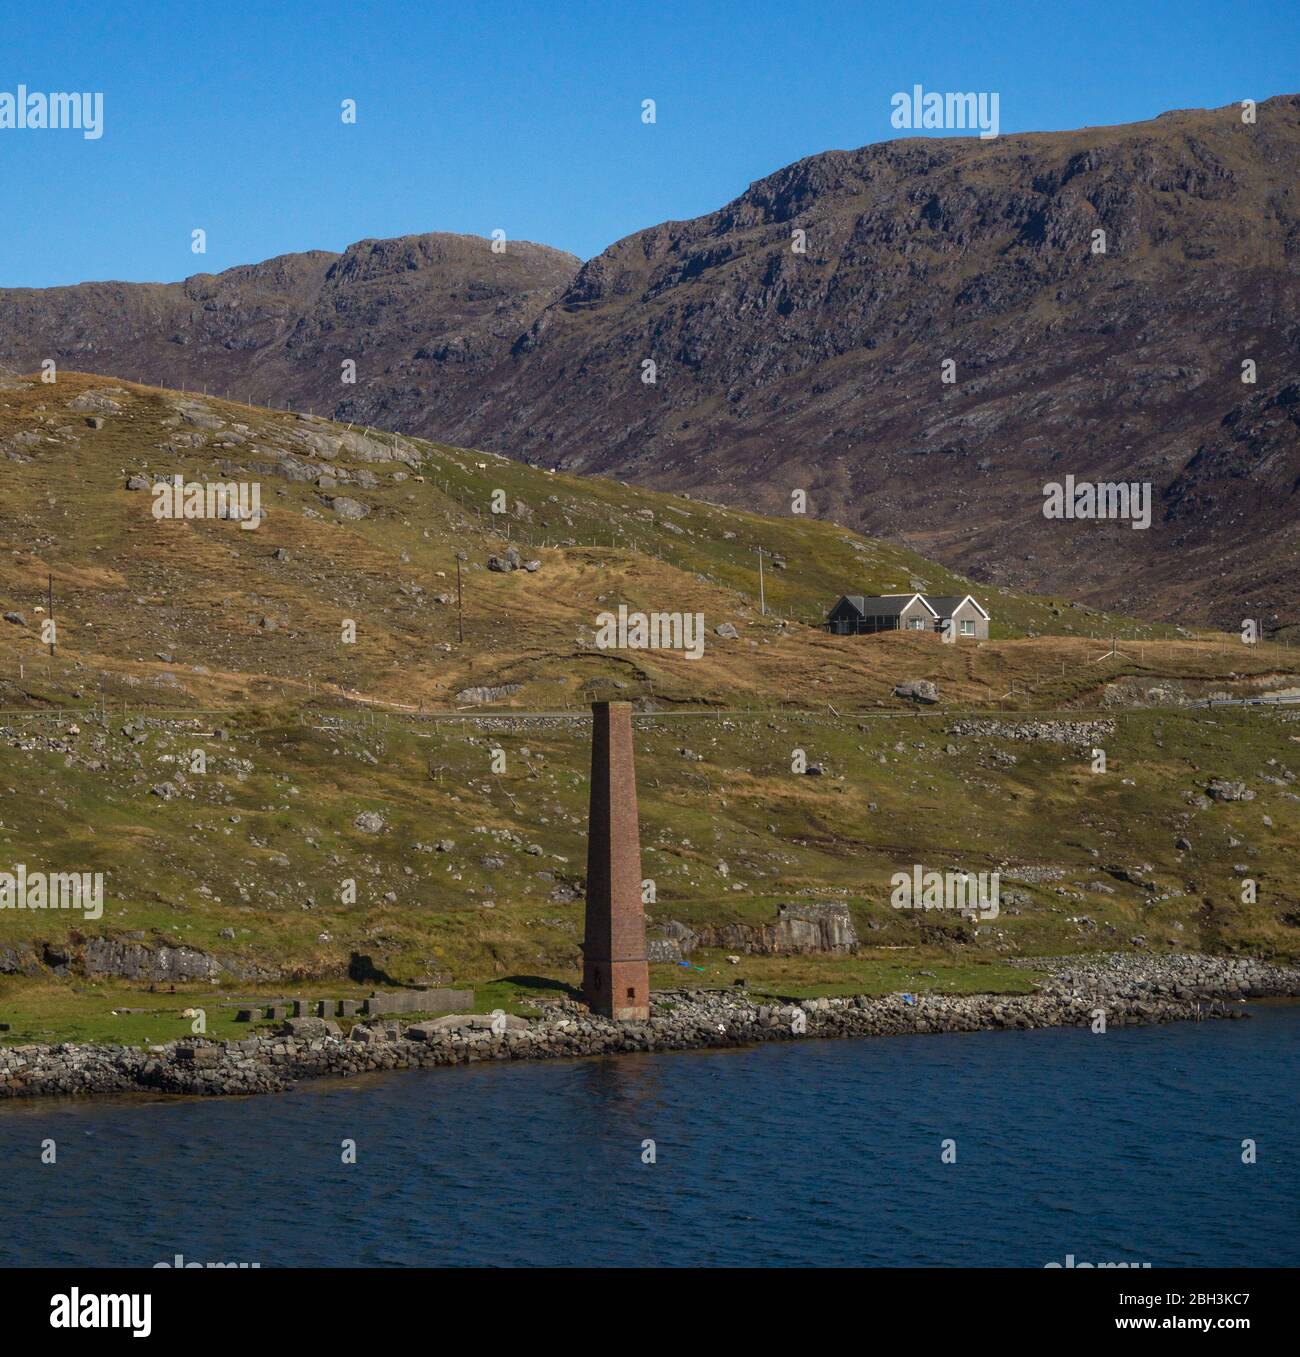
x,y
1118,1147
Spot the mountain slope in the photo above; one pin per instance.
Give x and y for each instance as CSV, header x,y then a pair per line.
x,y
822,371
280,330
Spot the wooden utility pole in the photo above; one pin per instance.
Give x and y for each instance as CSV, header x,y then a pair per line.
x,y
460,618
762,597
50,600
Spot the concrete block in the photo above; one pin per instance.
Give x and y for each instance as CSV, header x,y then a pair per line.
x,y
420,1001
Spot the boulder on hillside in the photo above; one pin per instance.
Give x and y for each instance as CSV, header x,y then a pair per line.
x,y
348,508
918,690
477,696
503,565
1222,789
96,402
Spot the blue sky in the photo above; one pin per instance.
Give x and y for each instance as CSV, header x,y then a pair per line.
x,y
527,116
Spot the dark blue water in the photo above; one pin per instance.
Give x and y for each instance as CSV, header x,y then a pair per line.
x,y
1124,1147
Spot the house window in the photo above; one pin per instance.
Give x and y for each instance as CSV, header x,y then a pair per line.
x,y
968,627
631,994
916,623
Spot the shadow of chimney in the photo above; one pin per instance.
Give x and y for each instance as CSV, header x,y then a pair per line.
x,y
363,970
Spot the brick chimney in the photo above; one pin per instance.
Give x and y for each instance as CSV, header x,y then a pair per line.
x,y
615,976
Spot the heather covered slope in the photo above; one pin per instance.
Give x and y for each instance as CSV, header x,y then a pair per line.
x,y
365,528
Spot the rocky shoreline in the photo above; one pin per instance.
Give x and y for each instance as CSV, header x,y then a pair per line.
x,y
1131,989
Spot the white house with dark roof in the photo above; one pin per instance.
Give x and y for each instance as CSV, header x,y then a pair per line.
x,y
968,616
856,614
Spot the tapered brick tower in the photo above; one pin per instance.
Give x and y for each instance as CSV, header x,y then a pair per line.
x,y
615,976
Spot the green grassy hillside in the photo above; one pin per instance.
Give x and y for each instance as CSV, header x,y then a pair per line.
x,y
176,637
476,876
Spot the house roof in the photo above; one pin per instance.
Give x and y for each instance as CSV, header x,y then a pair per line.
x,y
947,604
882,605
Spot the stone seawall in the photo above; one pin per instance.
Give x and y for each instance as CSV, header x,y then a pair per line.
x,y
1131,990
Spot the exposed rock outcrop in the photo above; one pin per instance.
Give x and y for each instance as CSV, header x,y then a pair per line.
x,y
126,959
801,929
487,693
136,961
